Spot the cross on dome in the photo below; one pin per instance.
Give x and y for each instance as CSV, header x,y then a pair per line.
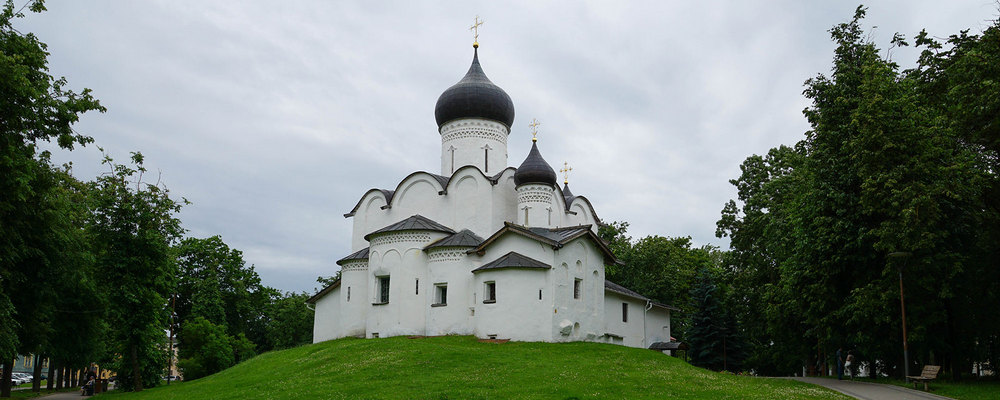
x,y
534,129
475,31
565,170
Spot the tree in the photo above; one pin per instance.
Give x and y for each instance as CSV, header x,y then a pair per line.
x,y
714,336
36,107
133,227
290,320
206,349
895,161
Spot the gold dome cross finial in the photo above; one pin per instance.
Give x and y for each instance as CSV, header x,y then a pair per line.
x,y
565,171
475,32
534,129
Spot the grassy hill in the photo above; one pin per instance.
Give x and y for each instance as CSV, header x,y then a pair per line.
x,y
460,367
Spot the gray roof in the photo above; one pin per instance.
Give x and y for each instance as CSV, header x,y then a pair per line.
x,y
669,346
465,238
388,200
513,260
357,255
324,292
414,223
567,195
555,237
624,291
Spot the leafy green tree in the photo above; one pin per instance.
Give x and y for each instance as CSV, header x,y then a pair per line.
x,y
896,161
133,226
714,337
291,320
206,349
36,107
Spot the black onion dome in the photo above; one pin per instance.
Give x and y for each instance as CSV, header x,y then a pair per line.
x,y
534,169
474,97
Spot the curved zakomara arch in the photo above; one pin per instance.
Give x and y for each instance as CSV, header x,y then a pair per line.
x,y
442,183
587,208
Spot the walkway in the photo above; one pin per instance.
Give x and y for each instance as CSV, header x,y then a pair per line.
x,y
871,391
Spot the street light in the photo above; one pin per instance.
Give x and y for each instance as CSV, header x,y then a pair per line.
x,y
902,307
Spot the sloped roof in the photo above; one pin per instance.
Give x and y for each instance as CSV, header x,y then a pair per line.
x,y
555,237
444,181
513,260
465,238
388,200
357,255
324,292
415,223
624,291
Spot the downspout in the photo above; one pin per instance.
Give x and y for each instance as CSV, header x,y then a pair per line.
x,y
649,305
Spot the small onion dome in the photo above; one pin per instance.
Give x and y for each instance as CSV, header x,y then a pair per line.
x,y
534,169
474,97
567,195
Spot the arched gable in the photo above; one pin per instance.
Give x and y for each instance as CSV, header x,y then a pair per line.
x,y
585,214
368,197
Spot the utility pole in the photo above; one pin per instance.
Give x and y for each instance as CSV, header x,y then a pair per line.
x,y
902,307
170,350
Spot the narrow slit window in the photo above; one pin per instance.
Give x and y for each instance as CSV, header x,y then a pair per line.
x,y
576,288
624,312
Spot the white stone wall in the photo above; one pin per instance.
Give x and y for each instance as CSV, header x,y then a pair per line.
x,y
657,325
450,266
632,330
327,320
470,201
354,298
400,256
517,314
578,260
535,206
472,141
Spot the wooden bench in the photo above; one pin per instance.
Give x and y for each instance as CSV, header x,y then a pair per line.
x,y
929,373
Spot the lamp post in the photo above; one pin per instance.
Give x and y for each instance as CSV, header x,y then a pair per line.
x,y
902,307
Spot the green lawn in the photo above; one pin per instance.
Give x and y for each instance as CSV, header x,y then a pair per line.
x,y
460,367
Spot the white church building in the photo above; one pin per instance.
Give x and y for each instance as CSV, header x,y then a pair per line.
x,y
482,248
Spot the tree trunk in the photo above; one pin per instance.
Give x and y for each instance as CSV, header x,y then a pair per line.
x,y
136,377
36,382
67,374
5,379
50,382
58,377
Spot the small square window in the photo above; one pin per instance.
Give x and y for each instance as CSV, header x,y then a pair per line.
x,y
490,293
576,288
440,294
624,312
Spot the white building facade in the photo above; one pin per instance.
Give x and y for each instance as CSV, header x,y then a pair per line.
x,y
482,248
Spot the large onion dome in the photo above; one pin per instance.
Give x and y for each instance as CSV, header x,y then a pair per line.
x,y
474,97
534,169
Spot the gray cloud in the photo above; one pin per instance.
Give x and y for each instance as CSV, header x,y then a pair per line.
x,y
274,118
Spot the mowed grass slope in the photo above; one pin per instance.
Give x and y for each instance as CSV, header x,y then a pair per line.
x,y
461,367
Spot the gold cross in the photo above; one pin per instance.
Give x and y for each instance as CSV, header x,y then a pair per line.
x,y
534,129
565,171
475,31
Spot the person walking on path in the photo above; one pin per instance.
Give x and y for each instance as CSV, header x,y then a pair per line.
x,y
848,364
840,364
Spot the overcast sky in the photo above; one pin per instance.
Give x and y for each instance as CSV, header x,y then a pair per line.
x,y
274,117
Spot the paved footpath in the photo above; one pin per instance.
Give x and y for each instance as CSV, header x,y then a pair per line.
x,y
871,391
